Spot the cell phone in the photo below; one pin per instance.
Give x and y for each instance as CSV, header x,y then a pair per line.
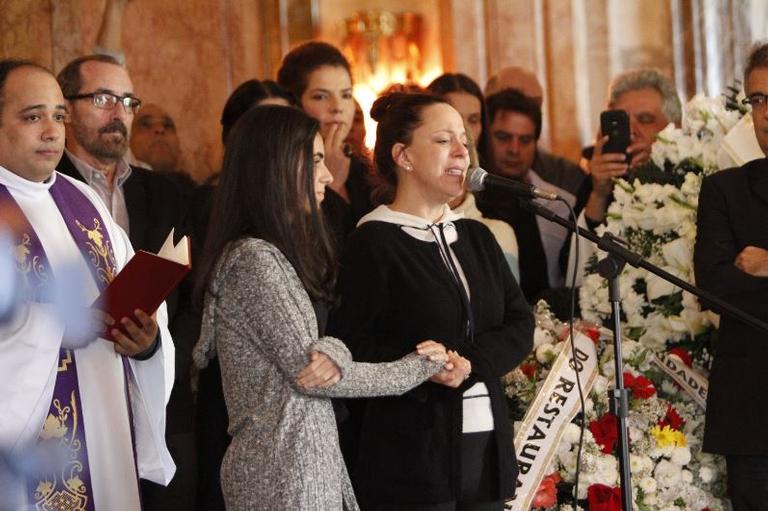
x,y
615,124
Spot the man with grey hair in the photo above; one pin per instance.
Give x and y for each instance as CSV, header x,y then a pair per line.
x,y
731,261
651,101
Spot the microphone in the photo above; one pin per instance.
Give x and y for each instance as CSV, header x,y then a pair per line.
x,y
478,179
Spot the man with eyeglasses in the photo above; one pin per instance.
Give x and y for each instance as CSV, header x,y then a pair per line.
x,y
731,262
102,105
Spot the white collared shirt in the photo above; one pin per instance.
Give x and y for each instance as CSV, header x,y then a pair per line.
x,y
113,198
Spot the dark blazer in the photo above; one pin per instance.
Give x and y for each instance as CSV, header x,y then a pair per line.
x,y
733,213
498,204
394,292
559,171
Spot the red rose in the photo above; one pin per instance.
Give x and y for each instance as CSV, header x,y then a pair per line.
x,y
605,432
683,355
672,419
604,498
529,369
546,495
641,387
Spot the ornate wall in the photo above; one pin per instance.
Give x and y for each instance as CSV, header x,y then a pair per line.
x,y
189,54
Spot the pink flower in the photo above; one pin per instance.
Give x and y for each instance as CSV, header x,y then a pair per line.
x,y
546,495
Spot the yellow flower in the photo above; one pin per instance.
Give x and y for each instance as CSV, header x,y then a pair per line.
x,y
668,437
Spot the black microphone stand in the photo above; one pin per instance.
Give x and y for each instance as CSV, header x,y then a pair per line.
x,y
610,268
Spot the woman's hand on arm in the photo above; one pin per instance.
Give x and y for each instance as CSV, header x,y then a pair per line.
x,y
456,370
433,350
321,372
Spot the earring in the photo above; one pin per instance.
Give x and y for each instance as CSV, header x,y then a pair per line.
x,y
409,167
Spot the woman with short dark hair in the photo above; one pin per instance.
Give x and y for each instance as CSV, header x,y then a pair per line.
x,y
319,76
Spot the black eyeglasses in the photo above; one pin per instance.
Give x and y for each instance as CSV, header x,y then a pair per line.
x,y
107,101
757,100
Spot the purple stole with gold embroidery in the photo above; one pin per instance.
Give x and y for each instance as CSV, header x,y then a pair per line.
x,y
70,487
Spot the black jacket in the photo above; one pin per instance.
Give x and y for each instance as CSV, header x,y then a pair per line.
x,y
342,216
733,213
395,291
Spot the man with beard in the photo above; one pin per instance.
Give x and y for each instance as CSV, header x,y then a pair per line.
x,y
102,105
552,168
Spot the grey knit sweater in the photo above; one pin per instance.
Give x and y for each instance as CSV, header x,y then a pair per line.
x,y
284,453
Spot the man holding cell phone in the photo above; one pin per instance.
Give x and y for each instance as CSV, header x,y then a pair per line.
x,y
651,102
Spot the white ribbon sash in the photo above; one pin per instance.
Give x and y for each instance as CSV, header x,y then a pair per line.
x,y
553,409
693,383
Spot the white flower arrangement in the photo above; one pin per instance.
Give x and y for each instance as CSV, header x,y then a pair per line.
x,y
707,120
655,212
668,469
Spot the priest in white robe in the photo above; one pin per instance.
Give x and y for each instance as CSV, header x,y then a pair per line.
x,y
124,386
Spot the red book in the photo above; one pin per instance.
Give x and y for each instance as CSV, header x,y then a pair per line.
x,y
145,282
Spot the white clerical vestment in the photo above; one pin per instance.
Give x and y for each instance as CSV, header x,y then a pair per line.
x,y
29,350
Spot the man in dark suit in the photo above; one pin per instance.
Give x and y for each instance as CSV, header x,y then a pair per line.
x,y
731,261
146,205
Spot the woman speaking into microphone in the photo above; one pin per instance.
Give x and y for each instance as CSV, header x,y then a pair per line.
x,y
413,270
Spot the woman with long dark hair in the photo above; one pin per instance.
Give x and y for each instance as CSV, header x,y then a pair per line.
x,y
414,269
247,95
267,275
211,437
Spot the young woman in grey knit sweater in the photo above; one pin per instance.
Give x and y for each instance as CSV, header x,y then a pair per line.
x,y
267,276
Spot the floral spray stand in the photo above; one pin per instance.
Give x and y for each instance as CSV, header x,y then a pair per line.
x,y
610,268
